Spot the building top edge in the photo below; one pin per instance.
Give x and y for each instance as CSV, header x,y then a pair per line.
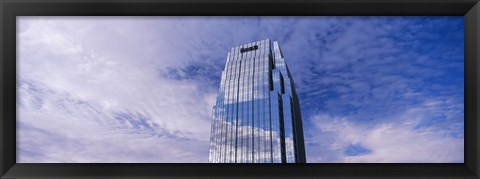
x,y
252,43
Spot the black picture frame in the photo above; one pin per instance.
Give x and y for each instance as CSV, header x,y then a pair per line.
x,y
10,9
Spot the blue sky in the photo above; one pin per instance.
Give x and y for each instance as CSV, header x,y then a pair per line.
x,y
140,89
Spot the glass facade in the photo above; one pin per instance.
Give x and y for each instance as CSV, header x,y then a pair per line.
x,y
256,117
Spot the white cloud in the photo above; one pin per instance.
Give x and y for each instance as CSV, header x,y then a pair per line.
x,y
394,141
87,76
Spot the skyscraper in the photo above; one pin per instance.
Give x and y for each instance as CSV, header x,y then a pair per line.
x,y
256,118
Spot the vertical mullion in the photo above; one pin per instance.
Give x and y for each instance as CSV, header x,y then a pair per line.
x,y
234,110
249,112
246,114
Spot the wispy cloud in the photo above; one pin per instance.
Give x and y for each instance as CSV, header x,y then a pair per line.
x,y
381,75
106,100
409,136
